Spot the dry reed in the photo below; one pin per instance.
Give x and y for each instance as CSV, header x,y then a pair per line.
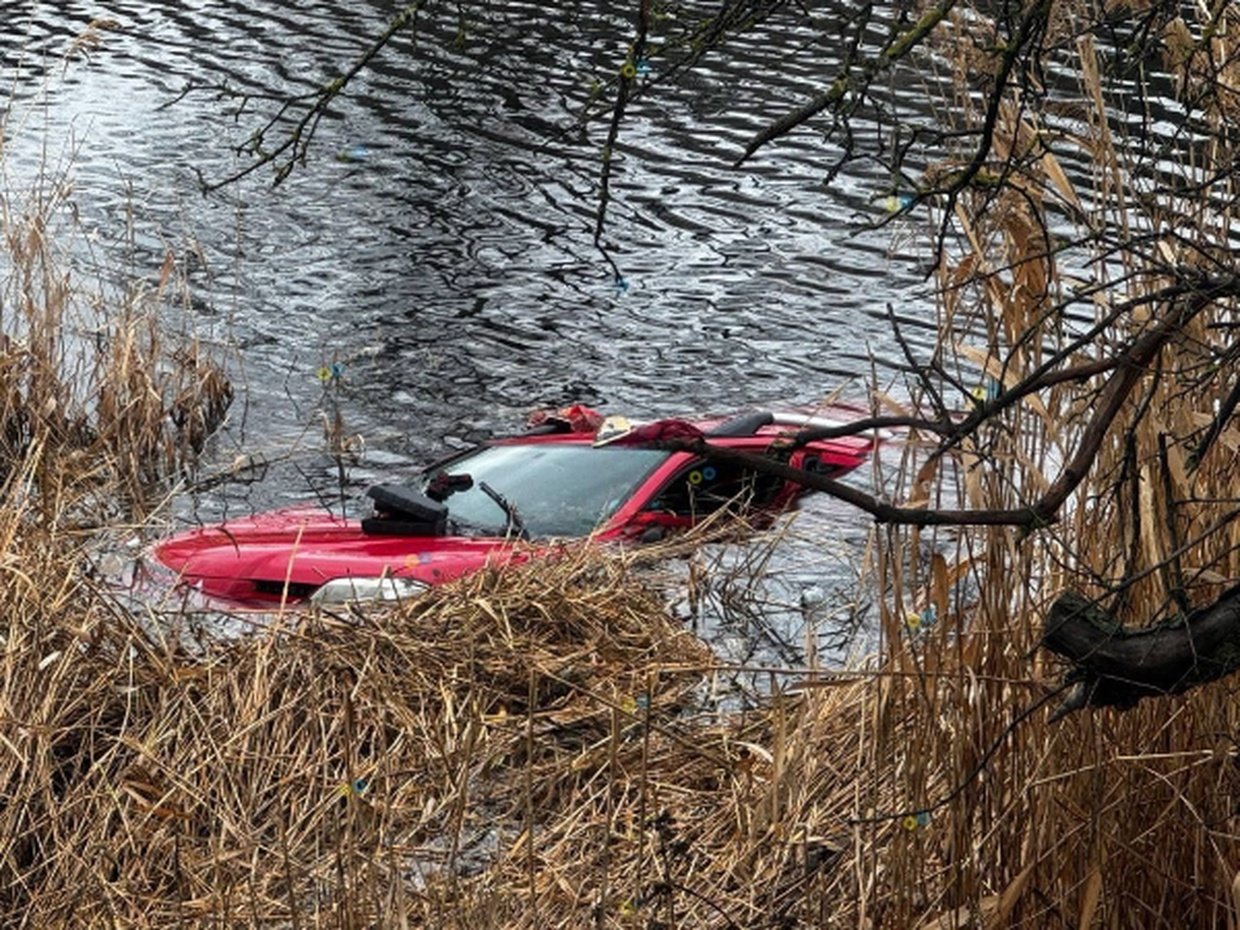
x,y
347,769
526,750
88,388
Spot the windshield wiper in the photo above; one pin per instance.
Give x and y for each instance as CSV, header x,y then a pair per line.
x,y
515,523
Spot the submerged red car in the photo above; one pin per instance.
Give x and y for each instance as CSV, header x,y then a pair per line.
x,y
570,477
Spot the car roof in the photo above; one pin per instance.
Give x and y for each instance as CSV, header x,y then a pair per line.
x,y
720,428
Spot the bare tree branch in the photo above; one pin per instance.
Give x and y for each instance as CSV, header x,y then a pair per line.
x,y
296,142
1127,367
847,84
1117,666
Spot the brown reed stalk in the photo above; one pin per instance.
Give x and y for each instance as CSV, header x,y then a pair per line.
x,y
147,779
1121,819
89,382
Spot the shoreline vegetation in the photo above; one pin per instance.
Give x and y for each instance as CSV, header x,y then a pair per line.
x,y
528,750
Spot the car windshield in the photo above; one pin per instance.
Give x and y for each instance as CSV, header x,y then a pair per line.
x,y
557,489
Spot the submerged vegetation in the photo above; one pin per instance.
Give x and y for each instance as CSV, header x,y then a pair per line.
x,y
530,749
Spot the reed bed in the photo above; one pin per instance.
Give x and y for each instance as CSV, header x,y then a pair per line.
x,y
98,408
339,769
532,748
937,789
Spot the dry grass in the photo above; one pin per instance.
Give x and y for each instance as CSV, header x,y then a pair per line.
x,y
96,412
528,750
338,769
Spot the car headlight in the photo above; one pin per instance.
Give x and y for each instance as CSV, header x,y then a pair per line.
x,y
346,590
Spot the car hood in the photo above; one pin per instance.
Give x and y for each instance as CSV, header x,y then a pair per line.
x,y
285,554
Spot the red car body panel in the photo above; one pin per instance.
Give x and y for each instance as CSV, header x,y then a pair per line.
x,y
282,556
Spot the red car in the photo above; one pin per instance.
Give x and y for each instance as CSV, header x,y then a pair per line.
x,y
572,476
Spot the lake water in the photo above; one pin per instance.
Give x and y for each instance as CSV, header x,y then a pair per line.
x,y
437,245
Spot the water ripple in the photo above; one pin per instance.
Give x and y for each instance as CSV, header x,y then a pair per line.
x,y
439,238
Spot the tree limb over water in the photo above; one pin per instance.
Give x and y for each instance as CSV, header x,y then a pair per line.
x,y
849,86
1181,303
292,148
1117,667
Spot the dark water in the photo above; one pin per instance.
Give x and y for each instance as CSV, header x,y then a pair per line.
x,y
438,244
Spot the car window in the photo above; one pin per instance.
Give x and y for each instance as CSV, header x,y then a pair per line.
x,y
705,486
816,466
558,489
